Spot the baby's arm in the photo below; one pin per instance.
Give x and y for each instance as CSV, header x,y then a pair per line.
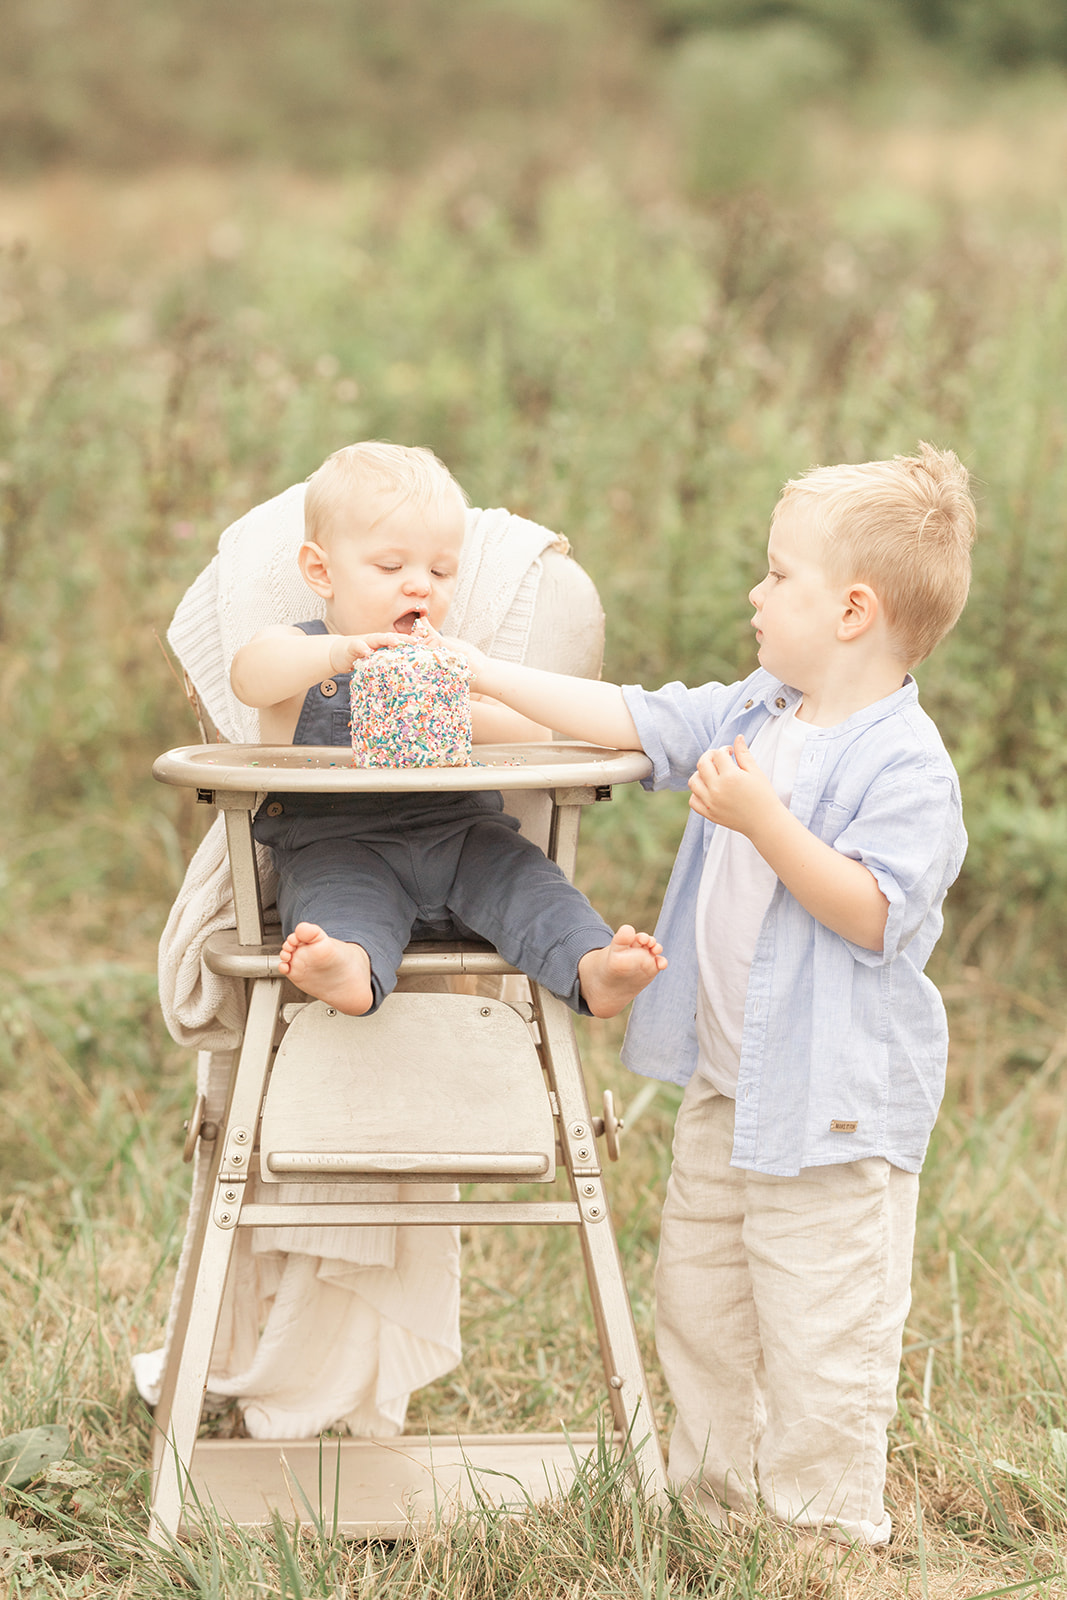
x,y
282,662
729,788
580,708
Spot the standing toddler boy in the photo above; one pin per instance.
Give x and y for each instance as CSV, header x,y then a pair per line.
x,y
805,901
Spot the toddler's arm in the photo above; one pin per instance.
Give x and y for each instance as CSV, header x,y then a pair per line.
x,y
282,662
580,708
494,723
730,789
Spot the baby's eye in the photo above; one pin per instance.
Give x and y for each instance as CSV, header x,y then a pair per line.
x,y
440,573
387,566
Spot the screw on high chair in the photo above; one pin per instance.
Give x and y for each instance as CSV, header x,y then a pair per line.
x,y
316,1097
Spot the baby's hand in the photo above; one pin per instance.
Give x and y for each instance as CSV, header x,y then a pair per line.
x,y
730,788
347,649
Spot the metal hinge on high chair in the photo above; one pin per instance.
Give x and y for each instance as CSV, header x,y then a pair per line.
x,y
316,1097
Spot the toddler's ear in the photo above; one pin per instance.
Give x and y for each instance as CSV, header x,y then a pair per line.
x,y
861,609
314,564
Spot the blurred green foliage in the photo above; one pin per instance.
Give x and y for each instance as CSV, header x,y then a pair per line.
x,y
617,262
738,100
641,376
328,83
320,83
981,35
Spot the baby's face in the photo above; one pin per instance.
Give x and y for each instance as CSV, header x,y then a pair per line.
x,y
393,561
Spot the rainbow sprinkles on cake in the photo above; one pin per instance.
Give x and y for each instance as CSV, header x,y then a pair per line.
x,y
411,705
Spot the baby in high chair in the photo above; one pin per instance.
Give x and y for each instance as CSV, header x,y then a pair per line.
x,y
359,875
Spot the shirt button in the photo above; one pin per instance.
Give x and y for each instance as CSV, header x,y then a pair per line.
x,y
328,688
275,808
748,705
780,703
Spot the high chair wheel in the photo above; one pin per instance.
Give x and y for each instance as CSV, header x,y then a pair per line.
x,y
610,1126
192,1128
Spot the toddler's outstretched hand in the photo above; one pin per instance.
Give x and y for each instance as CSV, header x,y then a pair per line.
x,y
476,659
730,788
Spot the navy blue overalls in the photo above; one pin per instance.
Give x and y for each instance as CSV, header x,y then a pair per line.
x,y
380,869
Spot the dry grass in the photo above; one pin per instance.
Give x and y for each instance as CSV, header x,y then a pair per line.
x,y
978,1467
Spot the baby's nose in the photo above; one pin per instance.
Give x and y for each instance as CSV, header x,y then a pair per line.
x,y
417,583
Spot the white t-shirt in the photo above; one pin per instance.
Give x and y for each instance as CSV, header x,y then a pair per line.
x,y
736,887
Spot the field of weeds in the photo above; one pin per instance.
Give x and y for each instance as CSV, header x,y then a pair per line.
x,y
641,371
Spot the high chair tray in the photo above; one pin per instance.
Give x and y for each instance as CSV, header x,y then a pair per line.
x,y
326,769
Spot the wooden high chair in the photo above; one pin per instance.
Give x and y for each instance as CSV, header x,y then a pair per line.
x,y
433,1088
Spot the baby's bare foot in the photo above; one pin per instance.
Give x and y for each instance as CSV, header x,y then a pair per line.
x,y
328,969
609,978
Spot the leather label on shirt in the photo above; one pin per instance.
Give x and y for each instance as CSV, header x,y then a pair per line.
x,y
839,1125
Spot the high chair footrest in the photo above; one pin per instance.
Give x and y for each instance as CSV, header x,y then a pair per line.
x,y
421,1213
453,961
385,1488
224,954
429,1087
300,1163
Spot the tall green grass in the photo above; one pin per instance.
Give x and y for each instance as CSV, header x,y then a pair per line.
x,y
642,375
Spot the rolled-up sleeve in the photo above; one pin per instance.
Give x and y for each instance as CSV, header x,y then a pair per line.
x,y
676,725
909,835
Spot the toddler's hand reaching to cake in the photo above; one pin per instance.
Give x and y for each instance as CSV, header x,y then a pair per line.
x,y
493,721
476,659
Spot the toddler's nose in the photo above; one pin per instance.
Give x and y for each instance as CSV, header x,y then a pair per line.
x,y
417,583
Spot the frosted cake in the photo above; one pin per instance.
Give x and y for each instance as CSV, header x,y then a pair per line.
x,y
411,706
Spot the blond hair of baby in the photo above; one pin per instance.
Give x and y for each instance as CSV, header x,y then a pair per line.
x,y
405,472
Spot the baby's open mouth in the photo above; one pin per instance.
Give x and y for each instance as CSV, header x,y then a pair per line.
x,y
407,622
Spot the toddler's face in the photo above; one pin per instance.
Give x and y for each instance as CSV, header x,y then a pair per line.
x,y
393,562
798,608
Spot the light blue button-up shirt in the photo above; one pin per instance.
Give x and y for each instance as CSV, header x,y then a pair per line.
x,y
843,1050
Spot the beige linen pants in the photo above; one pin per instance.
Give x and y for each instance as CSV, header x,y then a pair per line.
x,y
780,1310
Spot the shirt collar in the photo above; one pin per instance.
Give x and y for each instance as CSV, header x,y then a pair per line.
x,y
780,697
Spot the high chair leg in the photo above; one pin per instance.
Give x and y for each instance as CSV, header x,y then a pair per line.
x,y
185,1382
182,1309
624,1371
